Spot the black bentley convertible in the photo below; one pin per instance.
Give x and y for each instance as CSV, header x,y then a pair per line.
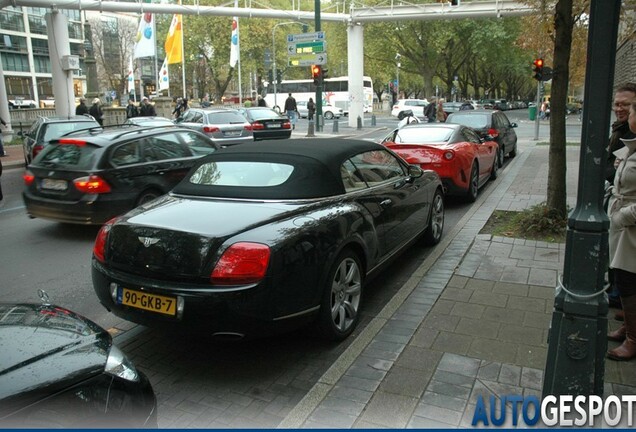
x,y
259,238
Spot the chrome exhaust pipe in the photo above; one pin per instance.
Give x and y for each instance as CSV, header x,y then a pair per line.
x,y
228,336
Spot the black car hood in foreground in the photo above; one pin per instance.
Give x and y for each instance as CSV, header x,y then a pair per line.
x,y
43,349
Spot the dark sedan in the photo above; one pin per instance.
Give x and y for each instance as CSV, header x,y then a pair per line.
x,y
60,370
259,239
267,123
490,125
90,177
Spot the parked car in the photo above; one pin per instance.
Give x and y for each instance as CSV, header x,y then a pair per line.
x,y
91,177
463,160
267,123
451,107
490,125
149,121
415,105
225,127
285,234
45,129
61,370
501,104
328,111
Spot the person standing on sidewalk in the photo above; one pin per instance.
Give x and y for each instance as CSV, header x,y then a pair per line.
x,y
147,109
430,112
623,97
96,112
81,109
622,242
131,109
311,109
290,109
2,152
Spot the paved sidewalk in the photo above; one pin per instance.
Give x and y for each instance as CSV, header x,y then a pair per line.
x,y
472,320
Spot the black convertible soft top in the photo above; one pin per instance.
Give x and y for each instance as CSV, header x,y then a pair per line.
x,y
316,165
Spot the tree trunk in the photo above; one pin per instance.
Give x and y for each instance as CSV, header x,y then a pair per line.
x,y
563,25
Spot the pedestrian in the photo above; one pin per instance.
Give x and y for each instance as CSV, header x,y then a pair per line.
x,y
466,106
2,152
623,97
96,111
261,101
81,109
622,241
131,109
178,109
147,109
311,109
542,110
441,114
430,112
290,109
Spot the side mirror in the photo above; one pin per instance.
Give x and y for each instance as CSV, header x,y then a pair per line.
x,y
514,125
488,138
415,171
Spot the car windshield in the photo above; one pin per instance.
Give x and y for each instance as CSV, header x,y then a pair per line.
x,y
56,130
477,121
241,173
419,135
225,118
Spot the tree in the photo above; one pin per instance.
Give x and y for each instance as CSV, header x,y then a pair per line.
x,y
113,43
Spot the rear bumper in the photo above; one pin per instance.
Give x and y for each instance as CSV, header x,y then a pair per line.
x,y
95,210
272,134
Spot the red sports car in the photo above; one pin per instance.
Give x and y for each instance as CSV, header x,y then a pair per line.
x,y
463,160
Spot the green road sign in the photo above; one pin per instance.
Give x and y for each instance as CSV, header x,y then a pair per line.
x,y
313,47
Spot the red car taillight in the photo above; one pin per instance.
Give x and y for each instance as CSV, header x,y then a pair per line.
x,y
287,125
92,184
449,155
210,129
28,178
99,248
72,141
242,263
493,132
37,149
258,126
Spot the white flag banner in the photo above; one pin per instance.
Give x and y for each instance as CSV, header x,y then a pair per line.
x,y
145,45
234,47
164,77
130,79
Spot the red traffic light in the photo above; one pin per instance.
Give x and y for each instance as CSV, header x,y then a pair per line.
x,y
315,71
538,62
538,69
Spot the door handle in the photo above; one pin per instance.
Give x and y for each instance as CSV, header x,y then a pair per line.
x,y
386,202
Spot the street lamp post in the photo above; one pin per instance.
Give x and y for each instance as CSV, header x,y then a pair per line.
x,y
397,75
274,75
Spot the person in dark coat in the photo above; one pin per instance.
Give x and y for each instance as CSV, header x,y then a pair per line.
x,y
261,102
291,109
96,111
81,109
2,152
131,109
147,109
311,109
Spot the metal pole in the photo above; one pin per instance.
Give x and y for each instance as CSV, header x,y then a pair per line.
x,y
319,124
536,117
577,340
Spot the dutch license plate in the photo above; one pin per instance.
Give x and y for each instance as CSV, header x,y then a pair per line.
x,y
274,125
54,184
146,301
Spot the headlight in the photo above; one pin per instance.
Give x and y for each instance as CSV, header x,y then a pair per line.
x,y
119,365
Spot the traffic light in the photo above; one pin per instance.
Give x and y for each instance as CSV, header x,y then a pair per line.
x,y
316,74
279,76
537,68
325,73
270,76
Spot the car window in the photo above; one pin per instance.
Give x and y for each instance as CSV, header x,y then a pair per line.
x,y
225,117
198,144
418,135
351,177
377,166
189,116
477,121
56,130
126,154
164,147
76,156
470,136
241,173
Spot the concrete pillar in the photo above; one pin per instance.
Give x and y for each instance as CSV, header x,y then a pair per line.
x,y
4,107
355,58
59,46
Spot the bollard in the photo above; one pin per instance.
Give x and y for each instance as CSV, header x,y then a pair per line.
x,y
359,122
335,125
310,130
319,123
372,119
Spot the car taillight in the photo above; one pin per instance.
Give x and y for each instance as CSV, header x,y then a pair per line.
x,y
72,141
28,178
99,248
287,125
449,155
210,129
251,127
92,184
493,132
258,126
242,263
37,149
